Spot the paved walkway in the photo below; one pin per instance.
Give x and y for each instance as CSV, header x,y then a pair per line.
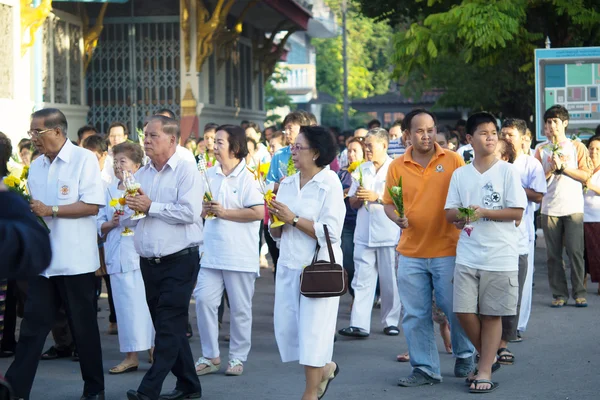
x,y
559,359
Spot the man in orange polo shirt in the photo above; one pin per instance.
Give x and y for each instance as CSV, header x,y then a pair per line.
x,y
427,248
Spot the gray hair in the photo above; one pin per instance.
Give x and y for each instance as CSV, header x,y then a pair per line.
x,y
169,126
380,134
53,118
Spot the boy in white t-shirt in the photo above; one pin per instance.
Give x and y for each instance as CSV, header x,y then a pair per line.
x,y
486,282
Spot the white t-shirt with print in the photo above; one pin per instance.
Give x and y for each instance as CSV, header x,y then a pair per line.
x,y
491,245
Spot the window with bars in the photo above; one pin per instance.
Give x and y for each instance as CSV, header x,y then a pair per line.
x,y
239,78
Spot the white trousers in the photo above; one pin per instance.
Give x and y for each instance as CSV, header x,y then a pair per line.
x,y
527,290
369,263
304,327
136,331
208,294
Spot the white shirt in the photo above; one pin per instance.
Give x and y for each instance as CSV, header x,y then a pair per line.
x,y
468,149
343,159
73,176
119,251
185,154
565,194
320,200
261,155
108,171
173,222
492,245
230,245
591,201
373,227
532,177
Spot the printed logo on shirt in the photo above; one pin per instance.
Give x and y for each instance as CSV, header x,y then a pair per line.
x,y
64,190
491,199
439,168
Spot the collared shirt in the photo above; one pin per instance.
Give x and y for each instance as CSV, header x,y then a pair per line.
x,y
119,251
532,177
279,164
185,154
230,245
565,194
428,235
173,222
73,176
320,200
373,227
491,245
396,148
108,171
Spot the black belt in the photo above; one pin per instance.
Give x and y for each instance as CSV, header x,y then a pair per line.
x,y
164,259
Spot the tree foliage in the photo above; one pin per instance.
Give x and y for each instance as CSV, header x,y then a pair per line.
x,y
276,98
369,51
481,52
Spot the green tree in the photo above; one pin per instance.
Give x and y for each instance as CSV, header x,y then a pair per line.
x,y
481,52
276,98
369,51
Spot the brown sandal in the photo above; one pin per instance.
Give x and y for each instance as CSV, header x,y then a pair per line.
x,y
123,368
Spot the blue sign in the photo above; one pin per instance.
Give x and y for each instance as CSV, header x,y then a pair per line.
x,y
569,77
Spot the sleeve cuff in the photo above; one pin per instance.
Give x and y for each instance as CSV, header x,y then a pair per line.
x,y
155,208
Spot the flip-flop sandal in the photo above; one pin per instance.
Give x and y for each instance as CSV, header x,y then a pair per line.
x,y
323,386
123,369
558,303
232,364
353,331
495,367
581,302
505,357
210,367
391,331
493,386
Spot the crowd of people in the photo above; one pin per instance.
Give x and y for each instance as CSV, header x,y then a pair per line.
x,y
163,223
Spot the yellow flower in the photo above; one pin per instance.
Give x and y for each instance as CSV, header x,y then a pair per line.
x,y
263,169
269,196
25,173
12,181
352,167
113,202
122,201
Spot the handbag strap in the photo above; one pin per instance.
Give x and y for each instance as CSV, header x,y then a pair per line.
x,y
329,247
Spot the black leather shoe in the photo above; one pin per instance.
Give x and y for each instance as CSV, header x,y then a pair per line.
x,y
99,396
134,395
53,353
179,395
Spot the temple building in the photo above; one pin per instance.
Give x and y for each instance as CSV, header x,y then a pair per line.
x,y
122,60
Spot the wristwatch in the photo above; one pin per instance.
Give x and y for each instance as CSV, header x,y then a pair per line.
x,y
379,201
54,211
295,220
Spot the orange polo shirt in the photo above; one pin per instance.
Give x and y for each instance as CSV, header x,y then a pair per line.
x,y
428,235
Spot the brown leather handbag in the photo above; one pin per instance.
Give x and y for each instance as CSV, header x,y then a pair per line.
x,y
324,278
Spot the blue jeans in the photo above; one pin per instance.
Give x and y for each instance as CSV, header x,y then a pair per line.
x,y
348,251
417,277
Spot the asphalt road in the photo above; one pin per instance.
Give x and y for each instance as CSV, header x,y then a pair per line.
x,y
559,359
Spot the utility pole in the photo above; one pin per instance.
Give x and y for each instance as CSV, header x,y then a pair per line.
x,y
345,60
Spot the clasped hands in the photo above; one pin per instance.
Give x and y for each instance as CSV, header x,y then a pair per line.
x,y
366,195
281,211
214,208
140,202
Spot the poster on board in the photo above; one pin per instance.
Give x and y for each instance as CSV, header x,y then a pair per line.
x,y
569,77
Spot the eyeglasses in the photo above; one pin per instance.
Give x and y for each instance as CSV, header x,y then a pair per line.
x,y
35,132
297,147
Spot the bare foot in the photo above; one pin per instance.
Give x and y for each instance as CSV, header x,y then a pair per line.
x,y
403,357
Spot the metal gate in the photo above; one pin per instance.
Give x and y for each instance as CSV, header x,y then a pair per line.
x,y
134,72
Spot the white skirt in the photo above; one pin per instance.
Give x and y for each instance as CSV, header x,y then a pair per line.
x,y
304,327
136,331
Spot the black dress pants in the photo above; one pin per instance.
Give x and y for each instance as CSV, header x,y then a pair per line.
x,y
45,297
169,286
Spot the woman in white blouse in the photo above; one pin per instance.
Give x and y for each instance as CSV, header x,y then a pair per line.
x,y
230,260
136,332
306,201
591,214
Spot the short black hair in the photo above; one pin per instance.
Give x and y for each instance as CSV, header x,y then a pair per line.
x,y
517,124
397,122
84,129
407,121
237,140
374,123
5,153
95,143
24,143
53,118
133,151
597,132
322,140
460,122
482,117
556,111
169,113
116,124
211,126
